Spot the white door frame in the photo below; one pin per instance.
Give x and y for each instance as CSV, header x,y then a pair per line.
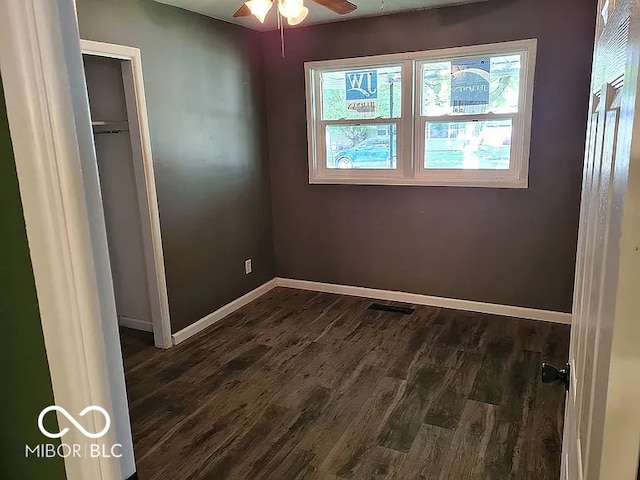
x,y
144,179
50,125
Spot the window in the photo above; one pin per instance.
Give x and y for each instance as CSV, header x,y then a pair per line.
x,y
459,117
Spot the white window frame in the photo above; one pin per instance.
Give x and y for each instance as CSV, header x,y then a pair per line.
x,y
316,126
411,124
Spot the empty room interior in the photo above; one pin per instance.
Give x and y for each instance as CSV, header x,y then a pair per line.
x,y
342,235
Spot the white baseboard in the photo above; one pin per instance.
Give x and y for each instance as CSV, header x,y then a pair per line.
x,y
135,324
418,299
410,298
222,312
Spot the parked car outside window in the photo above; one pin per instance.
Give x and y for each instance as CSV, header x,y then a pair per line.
x,y
371,153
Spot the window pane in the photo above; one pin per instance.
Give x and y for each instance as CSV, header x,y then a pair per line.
x,y
362,146
362,93
471,85
475,145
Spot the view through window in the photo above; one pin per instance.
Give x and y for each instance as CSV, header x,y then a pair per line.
x,y
448,117
470,87
359,108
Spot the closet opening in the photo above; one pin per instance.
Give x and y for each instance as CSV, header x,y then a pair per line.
x,y
127,183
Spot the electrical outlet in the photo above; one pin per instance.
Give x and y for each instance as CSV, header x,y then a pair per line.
x,y
247,266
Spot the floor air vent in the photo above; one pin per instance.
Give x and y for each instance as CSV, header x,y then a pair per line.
x,y
391,308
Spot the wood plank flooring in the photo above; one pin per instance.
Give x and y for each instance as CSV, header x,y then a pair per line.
x,y
305,385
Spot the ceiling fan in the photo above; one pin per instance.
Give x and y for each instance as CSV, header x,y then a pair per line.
x,y
293,10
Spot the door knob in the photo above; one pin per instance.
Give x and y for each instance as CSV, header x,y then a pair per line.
x,y
551,374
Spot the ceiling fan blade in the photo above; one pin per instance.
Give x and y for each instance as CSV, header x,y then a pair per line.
x,y
243,11
341,7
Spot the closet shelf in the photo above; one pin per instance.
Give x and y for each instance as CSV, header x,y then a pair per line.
x,y
109,127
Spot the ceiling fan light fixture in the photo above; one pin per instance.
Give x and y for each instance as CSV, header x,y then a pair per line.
x,y
259,8
296,20
291,9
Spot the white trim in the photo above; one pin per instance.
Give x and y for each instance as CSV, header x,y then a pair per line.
x,y
111,50
145,181
52,140
134,323
491,182
410,126
418,299
462,51
411,298
222,312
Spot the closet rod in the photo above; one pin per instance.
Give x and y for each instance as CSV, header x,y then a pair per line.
x,y
109,127
102,132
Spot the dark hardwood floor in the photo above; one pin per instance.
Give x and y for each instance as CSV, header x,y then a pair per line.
x,y
304,385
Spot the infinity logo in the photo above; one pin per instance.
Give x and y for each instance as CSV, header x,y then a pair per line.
x,y
64,431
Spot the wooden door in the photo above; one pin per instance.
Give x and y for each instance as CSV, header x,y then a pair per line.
x,y
602,424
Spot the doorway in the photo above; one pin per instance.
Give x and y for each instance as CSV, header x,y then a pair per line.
x,y
123,151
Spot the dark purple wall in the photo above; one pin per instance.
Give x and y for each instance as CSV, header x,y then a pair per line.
x,y
514,247
204,87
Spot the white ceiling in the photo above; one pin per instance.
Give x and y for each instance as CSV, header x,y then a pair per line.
x,y
224,10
